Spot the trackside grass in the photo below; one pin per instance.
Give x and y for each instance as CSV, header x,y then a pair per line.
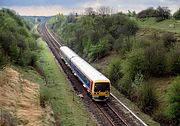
x,y
58,92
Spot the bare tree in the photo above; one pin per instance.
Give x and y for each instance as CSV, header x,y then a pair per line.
x,y
104,11
89,11
71,17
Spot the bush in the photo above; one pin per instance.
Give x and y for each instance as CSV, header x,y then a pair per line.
x,y
168,39
172,109
173,60
125,85
148,98
114,71
100,50
45,96
155,60
134,63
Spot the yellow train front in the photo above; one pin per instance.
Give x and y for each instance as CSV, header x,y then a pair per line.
x,y
94,81
101,90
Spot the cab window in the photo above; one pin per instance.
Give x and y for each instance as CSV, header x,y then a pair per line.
x,y
102,87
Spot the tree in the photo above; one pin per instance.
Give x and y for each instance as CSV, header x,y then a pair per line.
x,y
90,11
176,15
149,12
104,11
71,18
163,13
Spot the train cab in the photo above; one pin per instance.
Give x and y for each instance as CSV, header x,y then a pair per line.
x,y
101,90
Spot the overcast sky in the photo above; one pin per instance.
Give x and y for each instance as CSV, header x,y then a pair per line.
x,y
52,7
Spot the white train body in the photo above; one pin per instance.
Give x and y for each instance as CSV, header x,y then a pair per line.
x,y
94,81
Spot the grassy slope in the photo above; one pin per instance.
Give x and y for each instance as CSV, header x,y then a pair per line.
x,y
165,25
60,93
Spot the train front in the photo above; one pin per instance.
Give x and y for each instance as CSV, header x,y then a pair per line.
x,y
101,90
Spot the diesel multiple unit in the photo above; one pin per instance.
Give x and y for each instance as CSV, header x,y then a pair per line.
x,y
94,81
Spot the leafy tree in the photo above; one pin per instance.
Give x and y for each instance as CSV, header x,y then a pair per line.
x,y
160,13
176,15
149,12
16,40
99,51
163,13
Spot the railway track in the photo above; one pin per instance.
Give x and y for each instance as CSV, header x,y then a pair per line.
x,y
110,113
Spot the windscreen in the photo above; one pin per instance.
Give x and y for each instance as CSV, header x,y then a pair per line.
x,y
102,87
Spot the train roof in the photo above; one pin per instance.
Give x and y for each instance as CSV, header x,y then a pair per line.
x,y
82,65
88,70
69,52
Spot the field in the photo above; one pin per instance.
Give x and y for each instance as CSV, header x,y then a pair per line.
x,y
166,25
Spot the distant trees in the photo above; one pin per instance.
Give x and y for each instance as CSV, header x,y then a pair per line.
x,y
176,15
71,18
160,13
163,13
104,11
147,13
90,11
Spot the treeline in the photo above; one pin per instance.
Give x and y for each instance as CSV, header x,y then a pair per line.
x,y
93,36
160,13
17,43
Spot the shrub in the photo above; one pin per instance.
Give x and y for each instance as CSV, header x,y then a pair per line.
x,y
155,60
45,96
148,98
168,39
134,63
125,85
172,109
100,50
173,60
114,71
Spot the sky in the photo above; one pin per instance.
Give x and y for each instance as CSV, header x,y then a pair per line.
x,y
53,7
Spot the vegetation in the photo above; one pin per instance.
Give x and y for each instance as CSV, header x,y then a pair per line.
x,y
176,15
93,36
161,13
17,42
141,58
172,109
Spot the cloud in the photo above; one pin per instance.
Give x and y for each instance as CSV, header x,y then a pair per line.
x,y
43,10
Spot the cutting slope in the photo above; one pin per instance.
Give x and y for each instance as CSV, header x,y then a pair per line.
x,y
20,97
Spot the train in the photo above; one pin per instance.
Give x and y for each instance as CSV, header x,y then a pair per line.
x,y
96,84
